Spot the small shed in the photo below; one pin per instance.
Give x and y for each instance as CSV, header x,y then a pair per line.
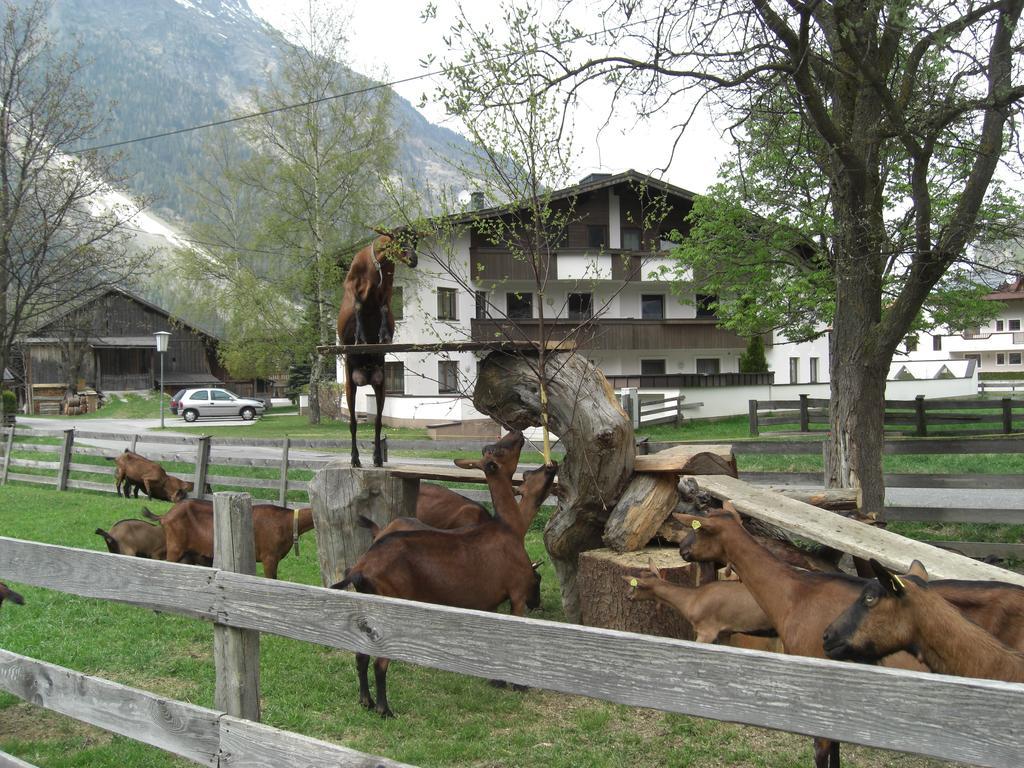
x,y
106,343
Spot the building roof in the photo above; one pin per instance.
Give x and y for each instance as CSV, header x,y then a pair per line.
x,y
590,183
1008,291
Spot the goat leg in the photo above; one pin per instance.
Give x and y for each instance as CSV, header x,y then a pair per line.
x,y
826,753
385,333
380,676
360,332
362,665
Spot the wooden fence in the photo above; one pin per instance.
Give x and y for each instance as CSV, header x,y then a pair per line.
x,y
647,412
918,417
53,464
962,719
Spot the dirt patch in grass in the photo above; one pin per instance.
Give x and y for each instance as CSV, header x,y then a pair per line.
x,y
27,723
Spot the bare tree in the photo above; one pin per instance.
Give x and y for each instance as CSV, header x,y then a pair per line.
x,y
63,229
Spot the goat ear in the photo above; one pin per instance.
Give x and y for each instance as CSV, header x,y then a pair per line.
x,y
730,509
686,520
890,581
917,569
469,463
654,570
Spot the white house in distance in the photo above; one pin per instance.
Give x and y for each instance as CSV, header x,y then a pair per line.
x,y
601,291
997,347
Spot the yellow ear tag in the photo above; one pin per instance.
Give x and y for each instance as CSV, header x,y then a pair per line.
x,y
633,583
899,581
695,525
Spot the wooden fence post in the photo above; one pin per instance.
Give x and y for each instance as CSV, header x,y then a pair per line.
x,y
236,652
752,410
922,420
805,419
202,464
134,442
7,456
65,460
282,497
1007,415
826,451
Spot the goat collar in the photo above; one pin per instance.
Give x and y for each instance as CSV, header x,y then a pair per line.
x,y
373,258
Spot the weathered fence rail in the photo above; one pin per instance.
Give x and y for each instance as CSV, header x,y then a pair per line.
x,y
918,417
973,721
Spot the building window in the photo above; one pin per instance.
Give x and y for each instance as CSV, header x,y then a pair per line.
x,y
596,236
481,305
1000,358
910,343
814,369
936,343
652,307
652,367
794,370
1015,358
581,306
394,378
447,376
1014,325
397,302
446,304
520,306
708,365
706,304
999,325
630,239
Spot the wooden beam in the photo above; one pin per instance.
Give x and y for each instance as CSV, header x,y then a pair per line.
x,y
553,345
859,540
690,460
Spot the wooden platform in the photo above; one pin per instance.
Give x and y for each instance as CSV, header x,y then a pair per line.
x,y
555,345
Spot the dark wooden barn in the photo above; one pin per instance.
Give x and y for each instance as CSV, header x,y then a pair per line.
x,y
106,344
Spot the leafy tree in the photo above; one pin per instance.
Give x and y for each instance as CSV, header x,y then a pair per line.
x,y
60,236
875,128
278,217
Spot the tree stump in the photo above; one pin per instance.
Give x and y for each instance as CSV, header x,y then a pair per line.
x,y
338,494
604,595
599,447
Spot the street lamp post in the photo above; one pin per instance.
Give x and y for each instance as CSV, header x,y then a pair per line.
x,y
161,346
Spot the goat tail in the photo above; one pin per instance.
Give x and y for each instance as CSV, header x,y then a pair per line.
x,y
357,579
112,544
146,513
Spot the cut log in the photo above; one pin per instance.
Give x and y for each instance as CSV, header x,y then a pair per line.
x,y
338,494
604,594
835,499
689,460
642,509
599,447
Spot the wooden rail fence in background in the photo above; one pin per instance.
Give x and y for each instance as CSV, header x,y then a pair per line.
x,y
962,719
918,417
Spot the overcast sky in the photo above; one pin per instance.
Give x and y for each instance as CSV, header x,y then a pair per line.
x,y
388,35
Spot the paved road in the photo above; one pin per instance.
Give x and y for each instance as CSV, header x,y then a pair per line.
x,y
896,497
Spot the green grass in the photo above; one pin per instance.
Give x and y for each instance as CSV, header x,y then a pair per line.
x,y
444,719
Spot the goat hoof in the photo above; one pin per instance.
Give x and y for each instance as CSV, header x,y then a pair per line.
x,y
497,683
386,713
520,688
356,463
378,462
368,703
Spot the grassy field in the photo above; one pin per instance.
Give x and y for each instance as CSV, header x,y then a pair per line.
x,y
444,719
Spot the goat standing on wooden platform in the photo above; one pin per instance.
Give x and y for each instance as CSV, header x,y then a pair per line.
x,y
365,317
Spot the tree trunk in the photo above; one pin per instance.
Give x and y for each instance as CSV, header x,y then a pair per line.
x,y
599,447
316,373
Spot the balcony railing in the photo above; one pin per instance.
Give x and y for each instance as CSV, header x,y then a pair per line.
x,y
615,333
690,380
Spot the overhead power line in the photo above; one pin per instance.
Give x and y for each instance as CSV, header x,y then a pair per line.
x,y
322,99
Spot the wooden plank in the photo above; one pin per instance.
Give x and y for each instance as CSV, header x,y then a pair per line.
x,y
251,745
440,473
645,504
50,465
154,584
983,548
858,539
96,469
38,479
176,727
236,652
694,459
974,721
552,345
912,480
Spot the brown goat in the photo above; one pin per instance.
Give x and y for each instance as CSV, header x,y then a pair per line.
x,y
802,604
134,469
478,567
188,527
6,593
365,317
135,538
133,488
903,613
714,609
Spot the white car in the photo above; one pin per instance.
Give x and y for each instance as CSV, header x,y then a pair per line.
x,y
210,401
